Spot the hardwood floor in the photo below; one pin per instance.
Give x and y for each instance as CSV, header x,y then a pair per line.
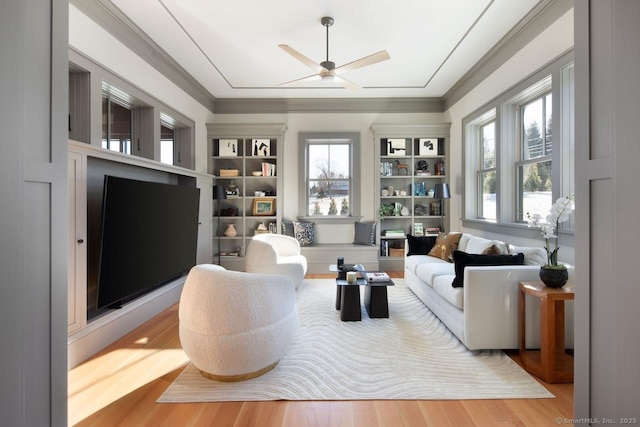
x,y
119,387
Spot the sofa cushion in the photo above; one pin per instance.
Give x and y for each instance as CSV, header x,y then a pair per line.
x,y
429,271
364,233
463,259
444,246
477,245
420,245
413,262
532,255
454,296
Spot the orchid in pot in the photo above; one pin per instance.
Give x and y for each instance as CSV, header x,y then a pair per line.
x,y
553,274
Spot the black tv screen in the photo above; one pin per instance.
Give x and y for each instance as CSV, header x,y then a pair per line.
x,y
149,237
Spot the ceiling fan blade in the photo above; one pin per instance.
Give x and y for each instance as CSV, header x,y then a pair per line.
x,y
383,55
300,57
346,83
310,78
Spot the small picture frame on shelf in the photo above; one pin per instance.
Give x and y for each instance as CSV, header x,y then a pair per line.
x,y
261,147
264,206
418,229
227,147
428,147
396,147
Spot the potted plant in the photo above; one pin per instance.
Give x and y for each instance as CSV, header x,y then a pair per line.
x,y
385,210
553,274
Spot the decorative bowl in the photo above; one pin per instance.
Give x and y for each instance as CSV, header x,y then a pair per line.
x,y
256,173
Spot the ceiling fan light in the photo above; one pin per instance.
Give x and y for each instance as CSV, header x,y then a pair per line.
x,y
327,78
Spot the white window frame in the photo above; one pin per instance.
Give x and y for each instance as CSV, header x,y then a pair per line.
x,y
353,140
474,157
557,78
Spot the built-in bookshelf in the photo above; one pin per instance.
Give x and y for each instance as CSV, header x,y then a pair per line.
x,y
413,159
245,160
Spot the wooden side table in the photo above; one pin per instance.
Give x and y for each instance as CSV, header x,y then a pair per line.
x,y
551,364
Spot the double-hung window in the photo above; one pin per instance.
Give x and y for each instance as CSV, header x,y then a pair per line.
x,y
519,149
534,171
487,174
330,175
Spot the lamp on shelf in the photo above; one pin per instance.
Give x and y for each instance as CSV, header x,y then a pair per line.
x,y
219,194
441,191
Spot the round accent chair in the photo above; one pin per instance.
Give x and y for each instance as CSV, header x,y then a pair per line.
x,y
276,254
234,325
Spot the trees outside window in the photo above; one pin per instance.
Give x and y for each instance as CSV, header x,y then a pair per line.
x,y
330,172
519,149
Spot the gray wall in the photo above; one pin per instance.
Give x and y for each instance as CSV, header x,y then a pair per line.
x,y
607,205
33,216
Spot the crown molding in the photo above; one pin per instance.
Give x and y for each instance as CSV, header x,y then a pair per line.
x,y
113,20
327,105
116,23
533,24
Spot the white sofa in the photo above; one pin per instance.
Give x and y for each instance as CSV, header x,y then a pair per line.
x,y
483,313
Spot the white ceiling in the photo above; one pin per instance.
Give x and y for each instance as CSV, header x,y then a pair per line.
x,y
231,47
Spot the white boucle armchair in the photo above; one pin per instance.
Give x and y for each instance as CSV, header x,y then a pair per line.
x,y
276,254
235,325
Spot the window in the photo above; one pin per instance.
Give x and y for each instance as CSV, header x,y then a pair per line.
x,y
519,149
166,144
130,120
534,166
330,176
116,126
487,172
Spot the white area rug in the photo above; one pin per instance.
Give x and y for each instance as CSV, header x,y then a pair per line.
x,y
410,355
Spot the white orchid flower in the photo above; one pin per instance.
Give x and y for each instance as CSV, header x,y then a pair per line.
x,y
560,211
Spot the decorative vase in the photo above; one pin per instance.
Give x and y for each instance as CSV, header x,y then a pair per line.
x,y
554,277
231,231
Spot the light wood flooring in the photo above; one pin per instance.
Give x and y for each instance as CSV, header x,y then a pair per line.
x,y
119,387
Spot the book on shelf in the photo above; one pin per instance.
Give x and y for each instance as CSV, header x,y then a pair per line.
x,y
433,230
393,233
268,169
377,276
384,248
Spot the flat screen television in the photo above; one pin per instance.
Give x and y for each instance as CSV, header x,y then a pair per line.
x,y
149,237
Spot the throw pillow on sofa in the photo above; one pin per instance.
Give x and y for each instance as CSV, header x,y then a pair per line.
x,y
420,245
492,250
463,259
444,246
532,255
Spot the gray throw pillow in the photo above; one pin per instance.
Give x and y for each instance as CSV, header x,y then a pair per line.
x,y
287,228
365,233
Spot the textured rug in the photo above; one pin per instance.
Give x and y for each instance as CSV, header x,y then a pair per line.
x,y
410,355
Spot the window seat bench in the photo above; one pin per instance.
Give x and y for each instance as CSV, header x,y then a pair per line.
x,y
321,255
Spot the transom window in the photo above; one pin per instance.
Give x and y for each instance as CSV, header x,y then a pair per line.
x,y
166,144
117,126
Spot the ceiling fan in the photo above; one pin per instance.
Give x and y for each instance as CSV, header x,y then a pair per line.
x,y
326,70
